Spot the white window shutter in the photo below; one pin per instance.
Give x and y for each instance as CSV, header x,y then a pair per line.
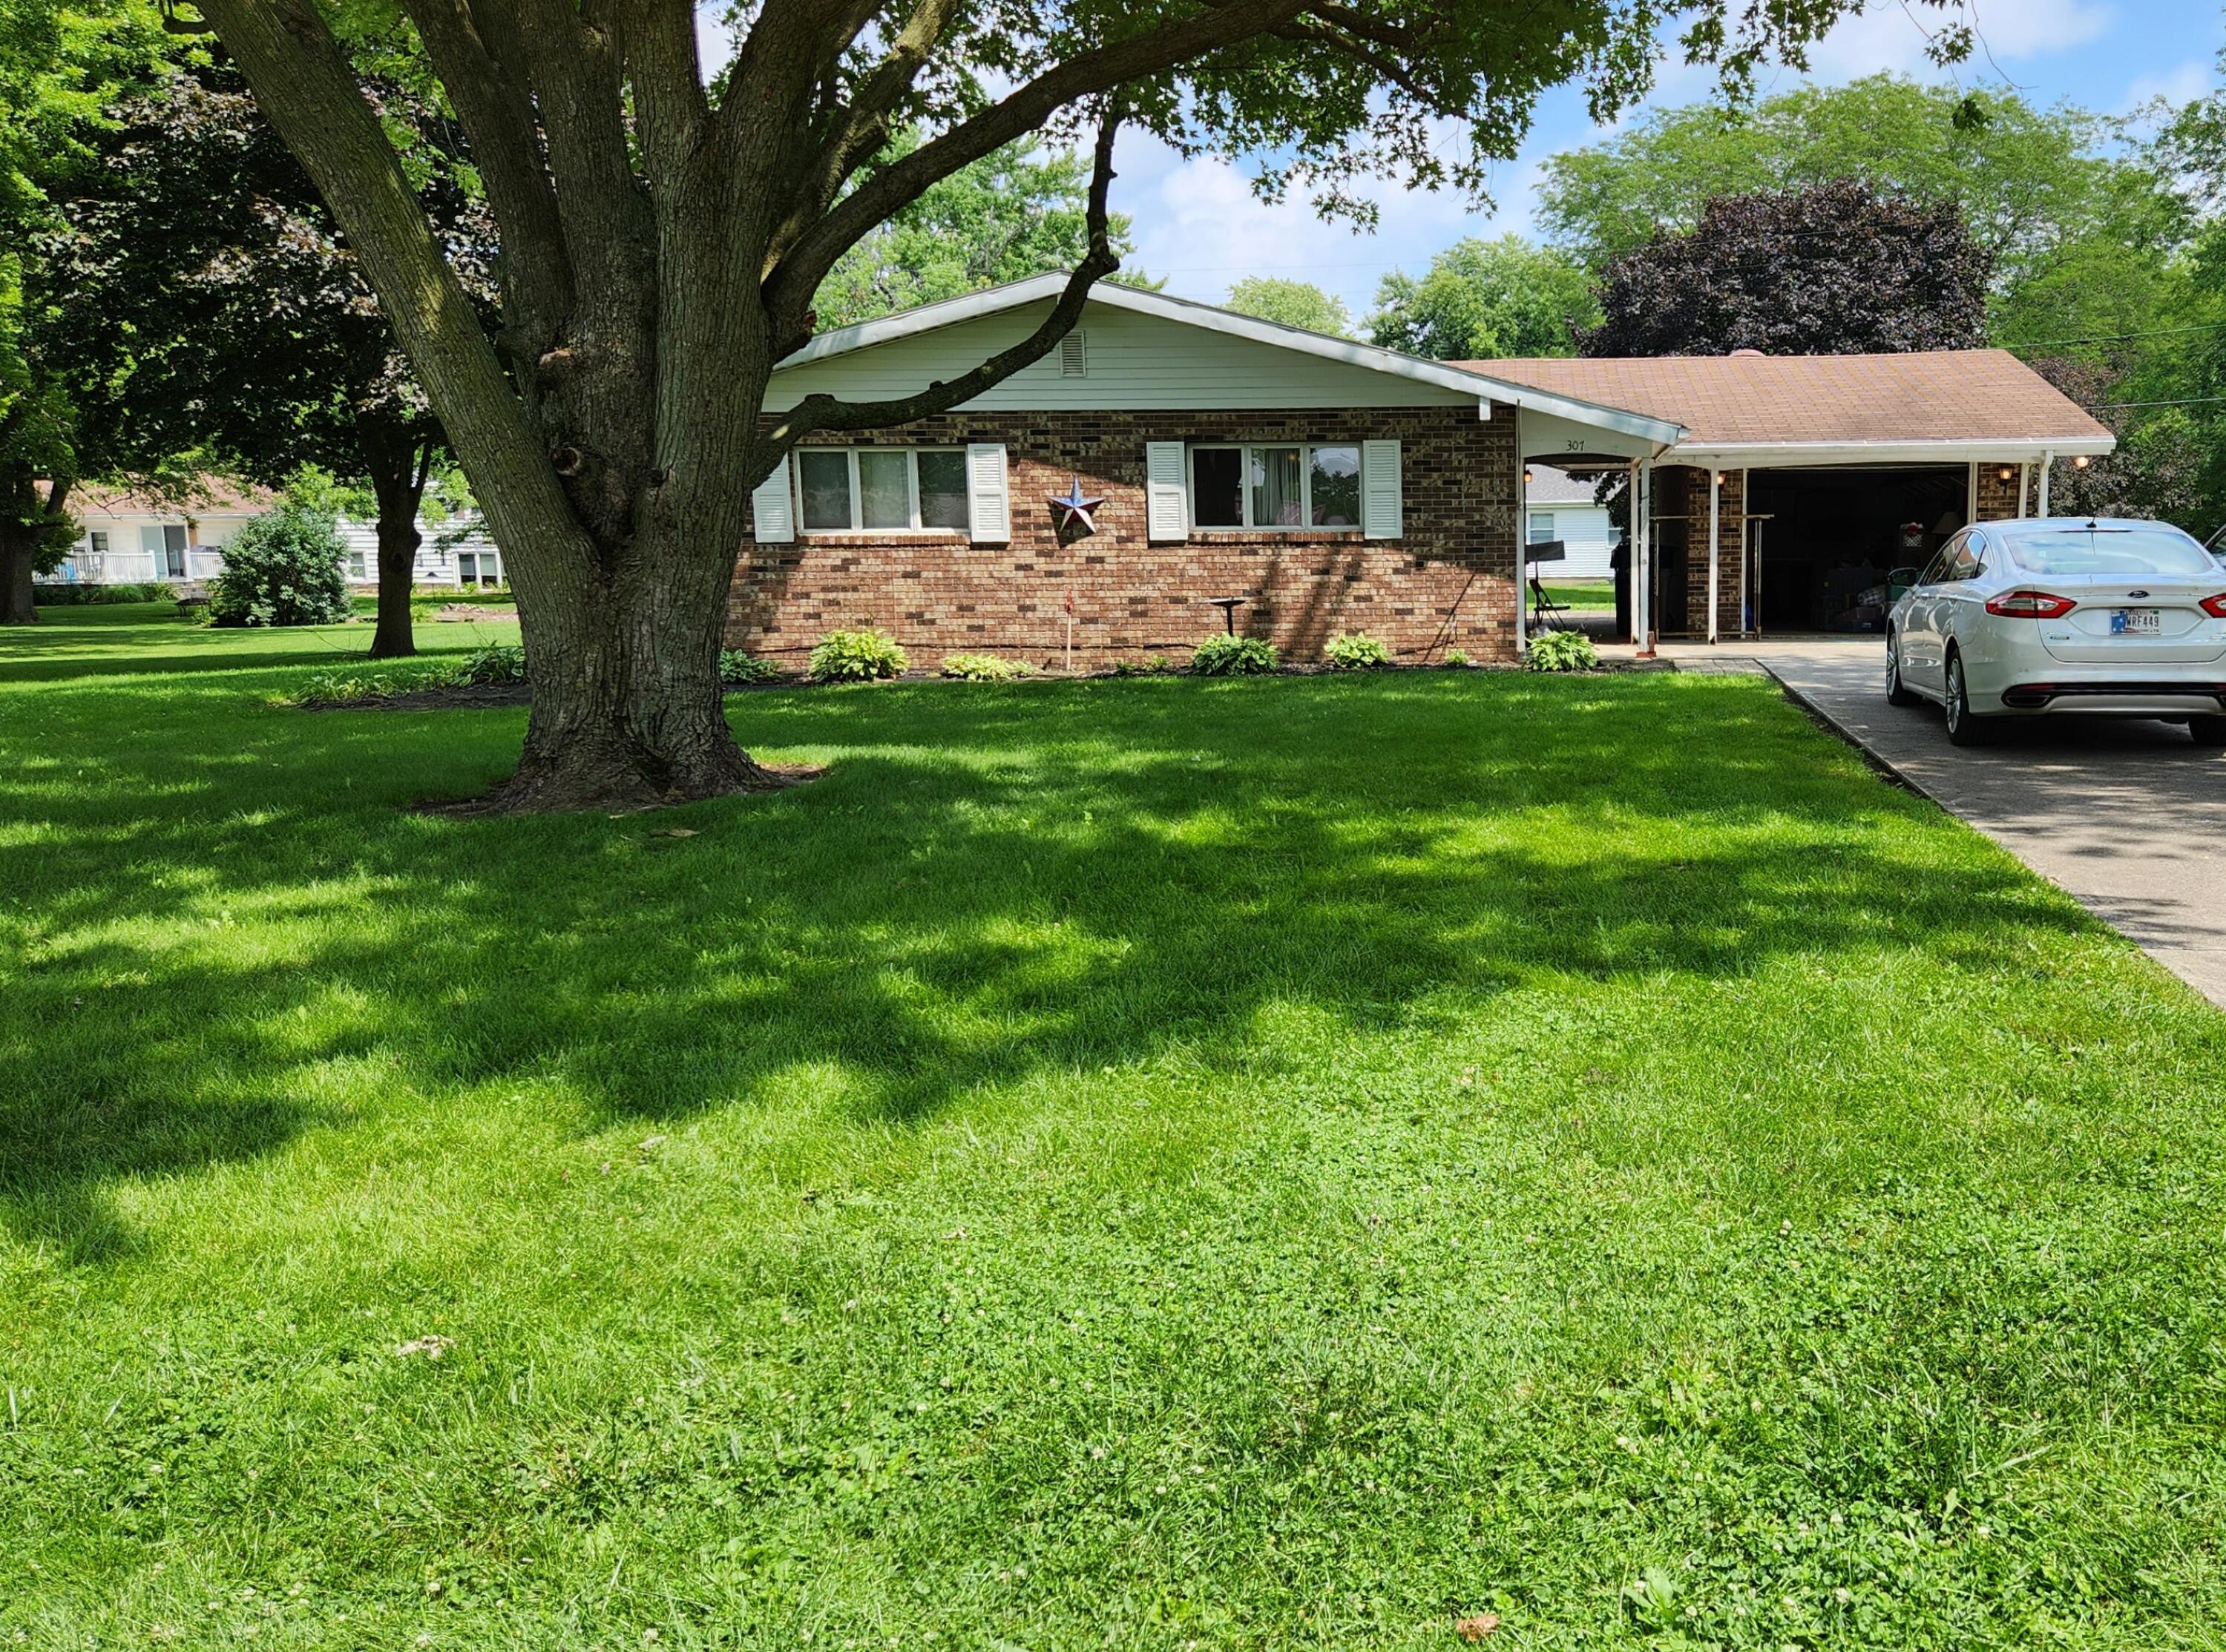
x,y
1166,494
772,508
989,517
1381,515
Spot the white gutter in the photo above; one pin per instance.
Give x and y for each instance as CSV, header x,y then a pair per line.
x,y
1792,455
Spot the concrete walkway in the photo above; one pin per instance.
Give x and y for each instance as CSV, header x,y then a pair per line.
x,y
2128,817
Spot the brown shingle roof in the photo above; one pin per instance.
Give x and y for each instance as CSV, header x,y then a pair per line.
x,y
205,496
1932,395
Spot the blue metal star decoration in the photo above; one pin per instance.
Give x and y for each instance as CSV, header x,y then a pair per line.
x,y
1076,506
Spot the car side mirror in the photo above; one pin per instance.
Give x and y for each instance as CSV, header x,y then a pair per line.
x,y
1902,576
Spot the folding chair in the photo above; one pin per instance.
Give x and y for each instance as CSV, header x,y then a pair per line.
x,y
1543,607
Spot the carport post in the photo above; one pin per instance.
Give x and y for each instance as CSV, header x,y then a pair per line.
x,y
1642,553
1716,546
2047,470
1522,545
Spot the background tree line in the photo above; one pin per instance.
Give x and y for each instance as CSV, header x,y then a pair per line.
x,y
1885,214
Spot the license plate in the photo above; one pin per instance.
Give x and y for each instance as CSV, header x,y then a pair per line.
x,y
2137,622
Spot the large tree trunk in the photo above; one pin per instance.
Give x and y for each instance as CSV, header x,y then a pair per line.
x,y
614,459
627,701
17,547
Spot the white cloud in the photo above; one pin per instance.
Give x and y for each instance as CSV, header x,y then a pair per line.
x,y
2182,84
1198,223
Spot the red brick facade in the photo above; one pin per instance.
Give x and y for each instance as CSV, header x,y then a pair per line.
x,y
1999,495
1449,582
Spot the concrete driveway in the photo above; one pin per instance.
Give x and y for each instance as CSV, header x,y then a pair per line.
x,y
2129,817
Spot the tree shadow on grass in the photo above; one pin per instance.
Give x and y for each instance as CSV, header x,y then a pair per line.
x,y
991,887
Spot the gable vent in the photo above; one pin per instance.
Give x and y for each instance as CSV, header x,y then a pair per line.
x,y
1073,356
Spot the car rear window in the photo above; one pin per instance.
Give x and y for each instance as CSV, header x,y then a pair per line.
x,y
2107,552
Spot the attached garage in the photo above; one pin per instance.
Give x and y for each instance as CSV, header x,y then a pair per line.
x,y
1804,481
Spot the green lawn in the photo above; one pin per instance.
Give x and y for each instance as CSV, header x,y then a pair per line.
x,y
1600,595
1140,1163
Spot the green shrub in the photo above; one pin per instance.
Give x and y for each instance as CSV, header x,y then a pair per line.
x,y
283,568
1562,650
350,687
856,656
91,596
982,668
1235,656
496,663
1156,665
1456,656
735,666
1355,651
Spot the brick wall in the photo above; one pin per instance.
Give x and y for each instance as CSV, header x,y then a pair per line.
x,y
1998,499
1681,492
1450,582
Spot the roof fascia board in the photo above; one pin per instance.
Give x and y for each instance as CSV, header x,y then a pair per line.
x,y
1372,358
1762,455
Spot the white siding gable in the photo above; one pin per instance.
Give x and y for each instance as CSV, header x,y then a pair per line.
x,y
1130,360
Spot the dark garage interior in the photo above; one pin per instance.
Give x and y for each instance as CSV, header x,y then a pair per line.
x,y
1830,535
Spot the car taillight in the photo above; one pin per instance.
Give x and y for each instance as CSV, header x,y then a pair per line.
x,y
2031,605
2214,605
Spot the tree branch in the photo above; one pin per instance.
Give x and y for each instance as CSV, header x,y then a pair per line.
x,y
857,133
667,72
791,284
822,412
481,70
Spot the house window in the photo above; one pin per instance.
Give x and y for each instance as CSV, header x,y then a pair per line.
x,y
100,543
479,567
1541,526
1277,485
358,566
862,490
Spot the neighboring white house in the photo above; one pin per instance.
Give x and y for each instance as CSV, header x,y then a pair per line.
x,y
130,539
1562,508
457,552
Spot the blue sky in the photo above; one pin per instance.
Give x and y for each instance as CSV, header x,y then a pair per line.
x,y
1198,224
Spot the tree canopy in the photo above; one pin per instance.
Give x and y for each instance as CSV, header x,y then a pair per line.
x,y
197,248
2031,183
59,66
665,237
1508,297
1834,269
1294,303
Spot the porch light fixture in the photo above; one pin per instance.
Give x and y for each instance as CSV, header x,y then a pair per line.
x,y
2004,475
2080,462
1526,476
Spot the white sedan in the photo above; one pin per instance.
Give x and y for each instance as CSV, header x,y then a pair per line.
x,y
2059,616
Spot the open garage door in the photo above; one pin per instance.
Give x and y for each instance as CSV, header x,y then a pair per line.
x,y
1825,537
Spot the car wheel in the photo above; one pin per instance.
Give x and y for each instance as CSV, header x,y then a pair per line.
x,y
2207,731
1964,729
1898,692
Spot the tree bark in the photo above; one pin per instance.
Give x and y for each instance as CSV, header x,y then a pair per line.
x,y
397,469
17,549
627,708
